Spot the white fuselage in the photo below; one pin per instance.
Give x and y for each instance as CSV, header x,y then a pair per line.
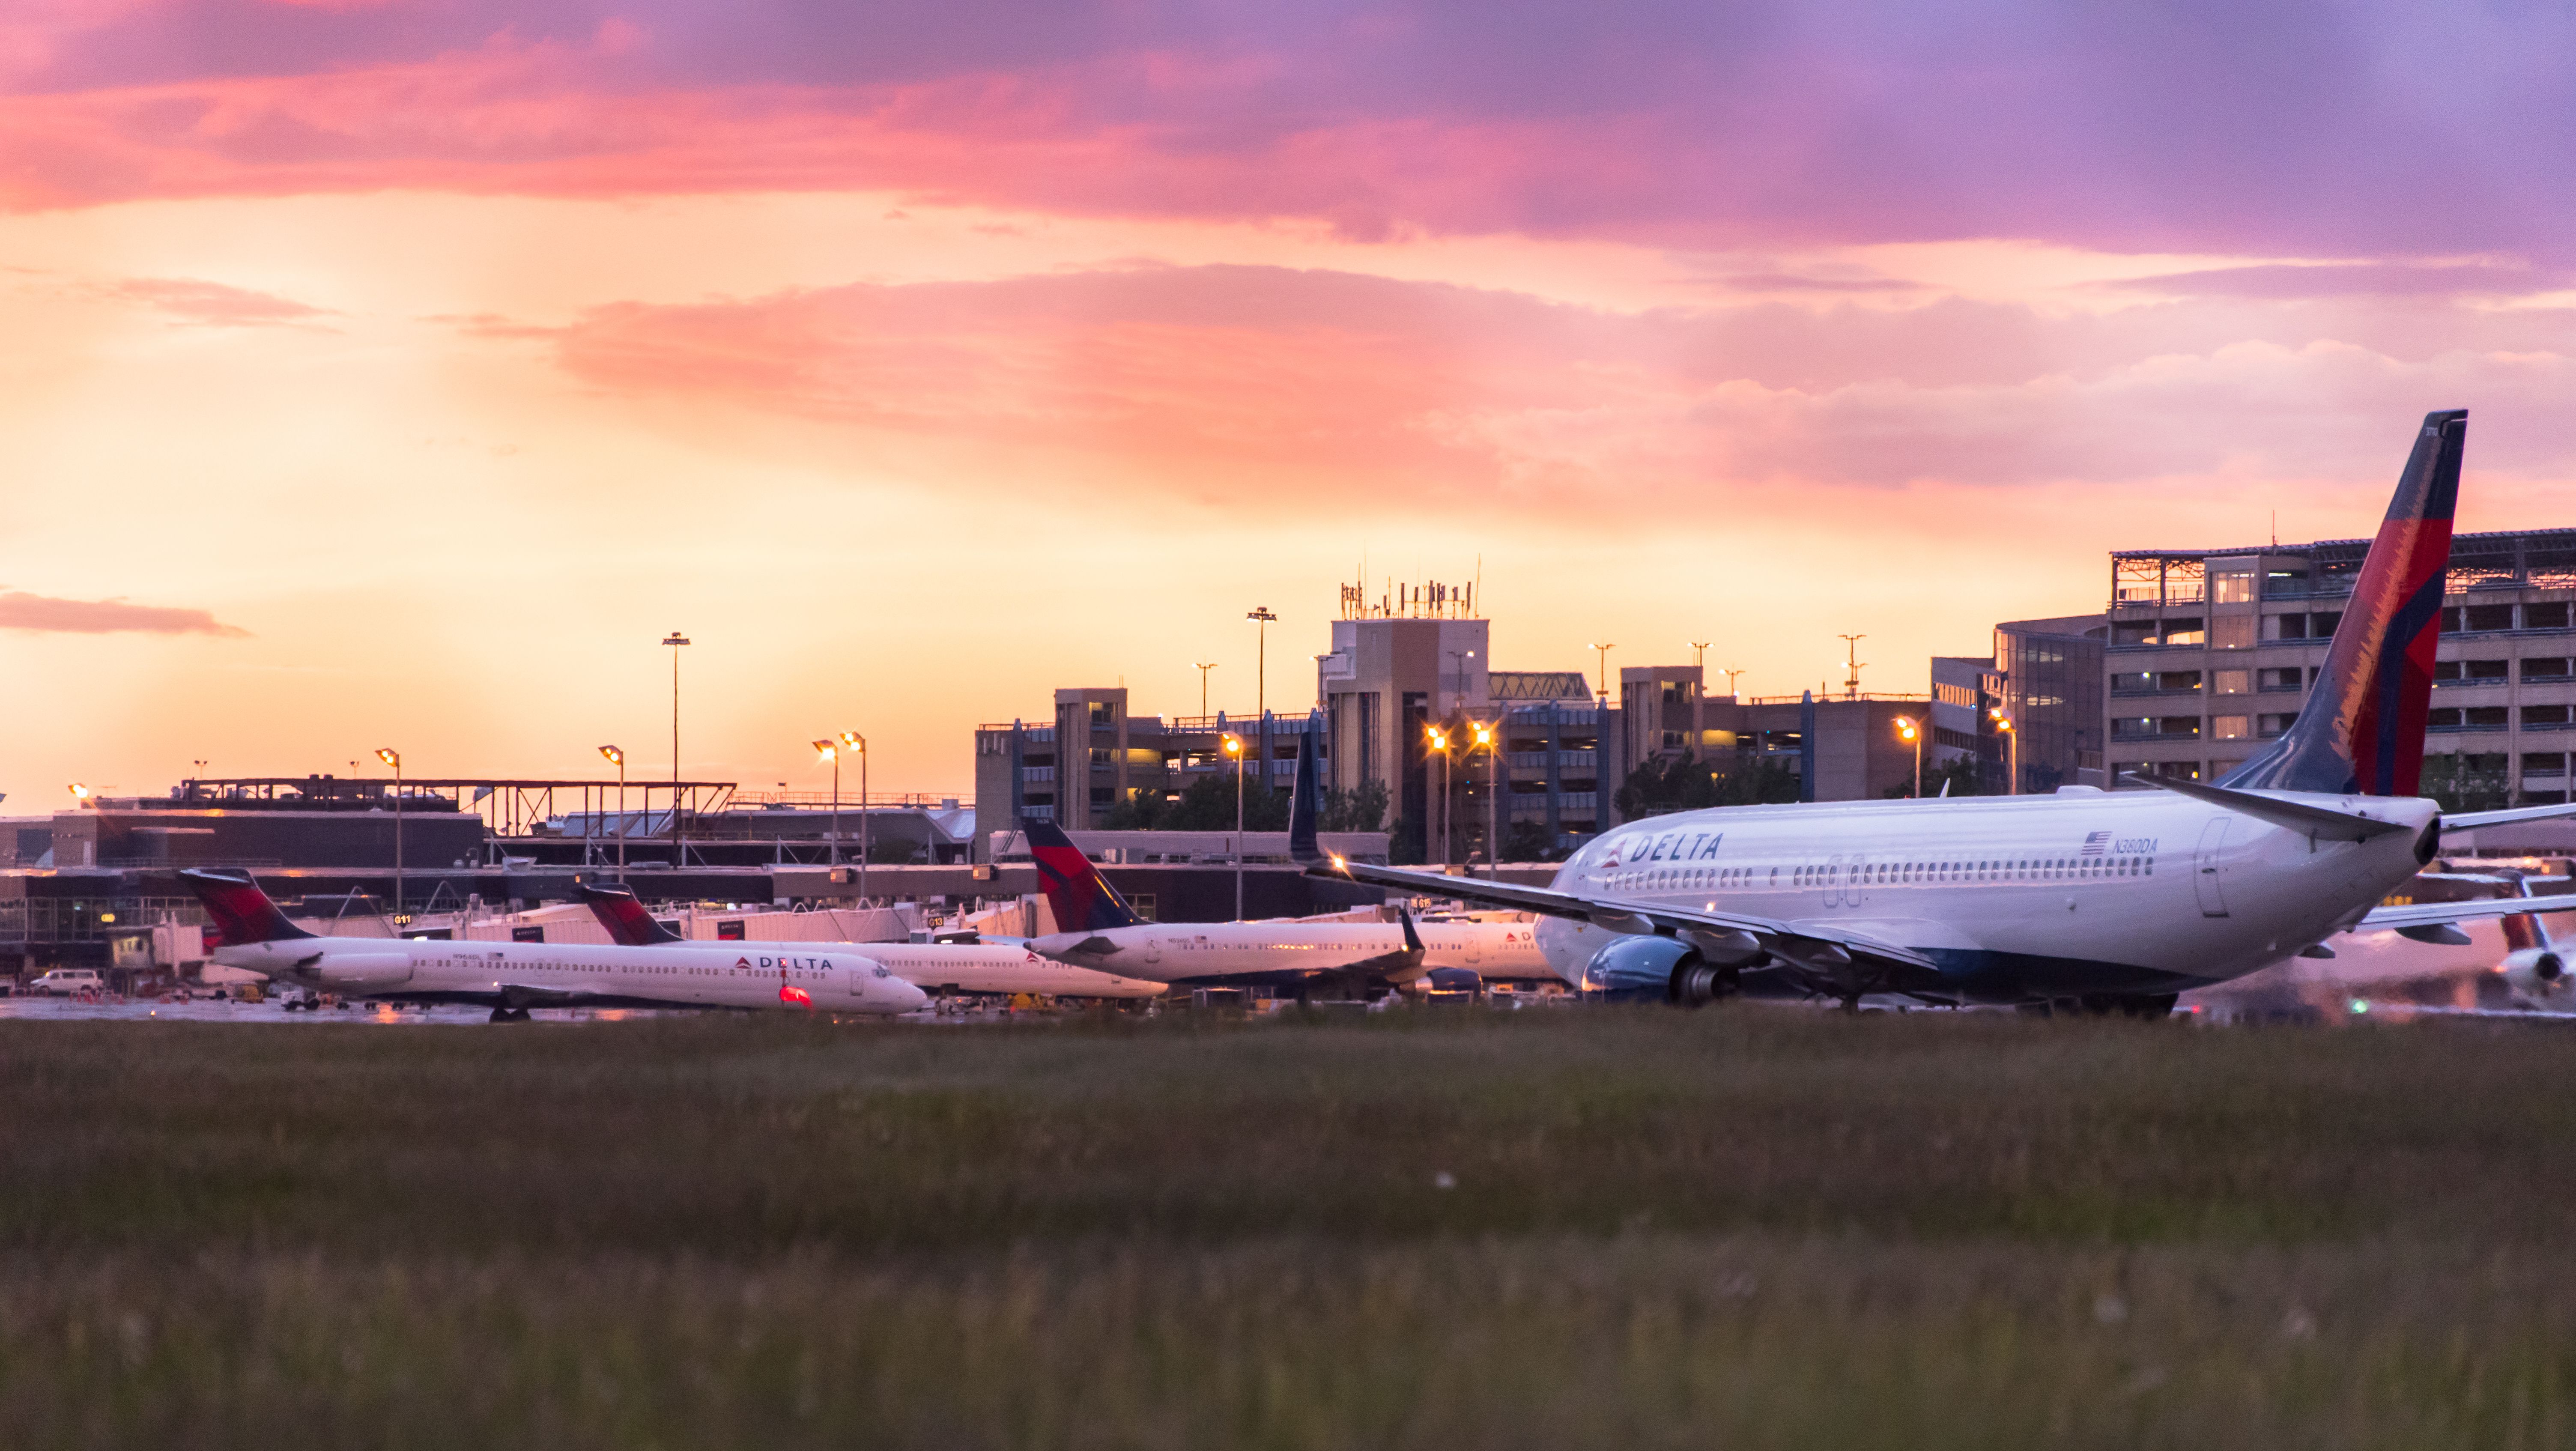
x,y
1282,952
536,974
2078,892
992,967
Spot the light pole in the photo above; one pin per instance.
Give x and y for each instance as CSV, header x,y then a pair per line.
x,y
1852,660
1730,683
1907,730
1234,748
2012,749
1605,669
1439,740
679,853
1489,736
853,741
614,754
393,758
1203,667
1699,693
1462,657
1261,617
832,753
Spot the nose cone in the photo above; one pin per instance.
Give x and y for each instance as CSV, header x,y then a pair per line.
x,y
903,997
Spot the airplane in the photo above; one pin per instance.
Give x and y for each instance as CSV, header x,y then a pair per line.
x,y
2109,901
512,977
942,967
2535,971
1098,929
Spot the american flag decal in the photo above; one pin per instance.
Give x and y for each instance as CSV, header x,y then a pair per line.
x,y
2096,843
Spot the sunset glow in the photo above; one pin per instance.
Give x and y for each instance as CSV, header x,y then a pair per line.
x,y
407,370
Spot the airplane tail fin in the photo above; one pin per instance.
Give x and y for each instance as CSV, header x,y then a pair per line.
x,y
242,912
2362,730
1305,803
618,910
1082,900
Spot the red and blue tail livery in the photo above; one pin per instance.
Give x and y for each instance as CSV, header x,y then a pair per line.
x,y
628,924
242,912
2362,731
1075,892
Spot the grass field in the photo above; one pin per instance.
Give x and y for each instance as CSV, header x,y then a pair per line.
x,y
1621,1228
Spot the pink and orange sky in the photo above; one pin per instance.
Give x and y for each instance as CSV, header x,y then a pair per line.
x,y
399,373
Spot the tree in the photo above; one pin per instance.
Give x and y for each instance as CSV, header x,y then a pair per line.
x,y
1964,775
1528,841
2465,782
1206,805
1360,808
1685,785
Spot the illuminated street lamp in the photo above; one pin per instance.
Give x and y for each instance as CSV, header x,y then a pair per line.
x,y
1605,669
1907,730
2012,749
80,793
1234,748
853,741
614,754
393,758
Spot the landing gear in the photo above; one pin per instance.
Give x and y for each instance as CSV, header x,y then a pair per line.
x,y
509,1015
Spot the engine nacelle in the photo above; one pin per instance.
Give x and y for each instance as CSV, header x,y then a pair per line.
x,y
2540,973
1454,980
362,969
1638,966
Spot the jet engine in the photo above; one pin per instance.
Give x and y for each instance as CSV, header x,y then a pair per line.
x,y
1636,967
361,969
1452,981
2539,974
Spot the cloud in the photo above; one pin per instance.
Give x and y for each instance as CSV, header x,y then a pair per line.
x,y
213,304
43,615
2204,127
2291,280
1369,392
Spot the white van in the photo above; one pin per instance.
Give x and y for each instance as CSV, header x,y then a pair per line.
x,y
65,981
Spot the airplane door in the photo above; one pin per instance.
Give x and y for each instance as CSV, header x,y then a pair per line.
x,y
1153,949
2204,868
1475,943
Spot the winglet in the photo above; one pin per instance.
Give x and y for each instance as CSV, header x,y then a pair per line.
x,y
1412,939
2526,931
618,910
1305,802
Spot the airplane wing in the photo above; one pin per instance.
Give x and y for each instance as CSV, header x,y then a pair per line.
x,y
2471,820
1402,965
2423,916
1833,960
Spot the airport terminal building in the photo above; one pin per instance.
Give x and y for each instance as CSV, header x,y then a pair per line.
x,y
2213,651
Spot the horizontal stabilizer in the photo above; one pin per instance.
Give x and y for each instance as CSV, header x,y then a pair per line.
x,y
2483,909
2472,820
2314,821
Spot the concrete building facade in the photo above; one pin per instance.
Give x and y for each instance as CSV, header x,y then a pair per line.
x,y
2212,652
